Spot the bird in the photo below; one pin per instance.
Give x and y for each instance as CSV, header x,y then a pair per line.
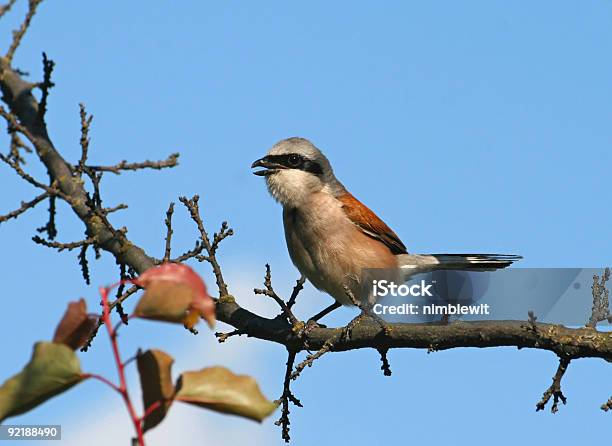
x,y
332,237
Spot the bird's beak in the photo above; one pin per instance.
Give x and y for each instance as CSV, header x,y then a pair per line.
x,y
269,166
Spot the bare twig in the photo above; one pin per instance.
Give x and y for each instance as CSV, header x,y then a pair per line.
x,y
269,291
131,290
310,359
171,161
84,264
169,231
16,145
17,168
122,278
385,367
299,286
25,205
607,405
109,210
218,237
287,397
84,139
555,388
222,337
6,8
63,246
50,227
45,86
194,210
20,32
195,252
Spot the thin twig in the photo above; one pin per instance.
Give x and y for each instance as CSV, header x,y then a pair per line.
x,y
25,205
45,86
299,286
607,405
84,264
112,209
194,210
6,8
84,139
269,291
17,168
222,337
287,397
385,367
63,246
20,32
555,388
310,359
169,231
171,161
16,145
50,227
195,252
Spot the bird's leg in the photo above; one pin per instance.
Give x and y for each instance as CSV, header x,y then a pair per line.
x,y
366,311
325,312
311,324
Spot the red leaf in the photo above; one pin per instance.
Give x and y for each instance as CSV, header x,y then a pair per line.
x,y
168,273
76,325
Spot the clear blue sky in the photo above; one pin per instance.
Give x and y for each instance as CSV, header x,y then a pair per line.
x,y
468,126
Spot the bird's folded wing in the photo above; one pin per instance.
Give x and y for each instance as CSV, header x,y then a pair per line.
x,y
370,224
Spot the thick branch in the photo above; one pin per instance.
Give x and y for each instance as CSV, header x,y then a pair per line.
x,y
18,96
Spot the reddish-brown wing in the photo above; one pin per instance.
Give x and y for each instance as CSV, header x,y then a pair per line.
x,y
370,224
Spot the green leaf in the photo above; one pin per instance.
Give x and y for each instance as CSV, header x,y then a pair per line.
x,y
53,369
154,369
218,389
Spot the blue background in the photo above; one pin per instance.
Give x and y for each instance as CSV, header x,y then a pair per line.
x,y
480,126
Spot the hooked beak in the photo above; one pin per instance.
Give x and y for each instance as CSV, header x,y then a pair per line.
x,y
269,166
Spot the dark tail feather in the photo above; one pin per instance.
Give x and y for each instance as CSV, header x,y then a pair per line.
x,y
466,262
475,262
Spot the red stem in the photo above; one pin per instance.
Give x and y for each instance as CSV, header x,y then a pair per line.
x,y
151,409
122,389
103,379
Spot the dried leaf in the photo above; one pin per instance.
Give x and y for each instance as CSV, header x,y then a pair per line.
x,y
173,292
154,368
76,325
53,369
218,389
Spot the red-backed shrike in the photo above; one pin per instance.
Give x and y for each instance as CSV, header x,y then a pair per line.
x,y
332,237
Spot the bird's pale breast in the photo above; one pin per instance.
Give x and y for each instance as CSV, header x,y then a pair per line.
x,y
329,249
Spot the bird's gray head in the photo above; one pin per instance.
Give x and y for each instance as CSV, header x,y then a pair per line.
x,y
294,168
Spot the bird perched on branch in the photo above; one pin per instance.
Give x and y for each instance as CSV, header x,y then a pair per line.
x,y
333,238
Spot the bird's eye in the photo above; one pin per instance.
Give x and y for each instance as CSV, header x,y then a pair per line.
x,y
294,160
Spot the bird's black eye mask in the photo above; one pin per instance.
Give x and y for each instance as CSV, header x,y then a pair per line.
x,y
294,161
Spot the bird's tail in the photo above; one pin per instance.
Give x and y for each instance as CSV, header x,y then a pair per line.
x,y
419,263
